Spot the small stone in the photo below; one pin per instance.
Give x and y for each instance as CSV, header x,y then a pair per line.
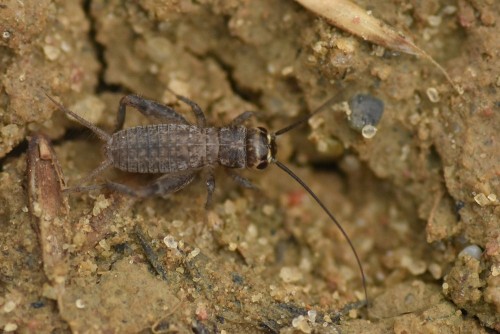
x,y
473,251
170,242
369,131
287,71
268,210
194,253
435,270
434,20
10,131
252,232
290,274
449,10
10,327
79,304
229,207
495,270
51,52
301,324
9,306
364,110
311,314
481,199
257,297
433,94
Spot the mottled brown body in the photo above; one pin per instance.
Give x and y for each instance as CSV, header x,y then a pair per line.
x,y
178,149
164,148
173,148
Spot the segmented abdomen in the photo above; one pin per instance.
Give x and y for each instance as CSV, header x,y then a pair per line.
x,y
163,148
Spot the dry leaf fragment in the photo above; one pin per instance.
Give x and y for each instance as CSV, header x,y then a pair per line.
x,y
350,17
48,208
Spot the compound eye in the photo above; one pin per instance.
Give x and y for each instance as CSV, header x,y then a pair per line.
x,y
263,164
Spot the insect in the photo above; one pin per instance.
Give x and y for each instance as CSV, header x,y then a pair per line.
x,y
180,150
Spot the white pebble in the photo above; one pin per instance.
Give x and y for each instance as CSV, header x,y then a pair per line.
x,y
170,242
194,253
51,52
368,131
10,327
312,316
290,274
433,94
481,199
79,304
472,251
434,20
301,324
9,306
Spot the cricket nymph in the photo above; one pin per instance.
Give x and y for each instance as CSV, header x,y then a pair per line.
x,y
170,148
179,150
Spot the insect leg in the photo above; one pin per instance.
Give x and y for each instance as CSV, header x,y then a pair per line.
x,y
241,118
200,115
210,189
242,181
147,108
80,187
163,185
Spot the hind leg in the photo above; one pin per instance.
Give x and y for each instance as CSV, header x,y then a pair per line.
x,y
164,185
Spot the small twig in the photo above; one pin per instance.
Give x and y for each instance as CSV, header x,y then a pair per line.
x,y
48,208
151,254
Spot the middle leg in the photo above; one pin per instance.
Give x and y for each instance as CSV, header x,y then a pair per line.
x,y
242,181
199,114
241,118
147,108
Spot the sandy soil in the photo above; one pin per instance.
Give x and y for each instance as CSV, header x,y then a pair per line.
x,y
419,200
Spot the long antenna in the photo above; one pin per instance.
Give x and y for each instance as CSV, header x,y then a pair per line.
x,y
303,119
344,233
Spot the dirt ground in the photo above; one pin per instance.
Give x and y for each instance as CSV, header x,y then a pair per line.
x,y
419,200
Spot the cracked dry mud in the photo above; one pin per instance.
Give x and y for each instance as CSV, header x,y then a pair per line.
x,y
412,198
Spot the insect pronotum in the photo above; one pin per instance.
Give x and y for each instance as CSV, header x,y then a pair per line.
x,y
179,150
